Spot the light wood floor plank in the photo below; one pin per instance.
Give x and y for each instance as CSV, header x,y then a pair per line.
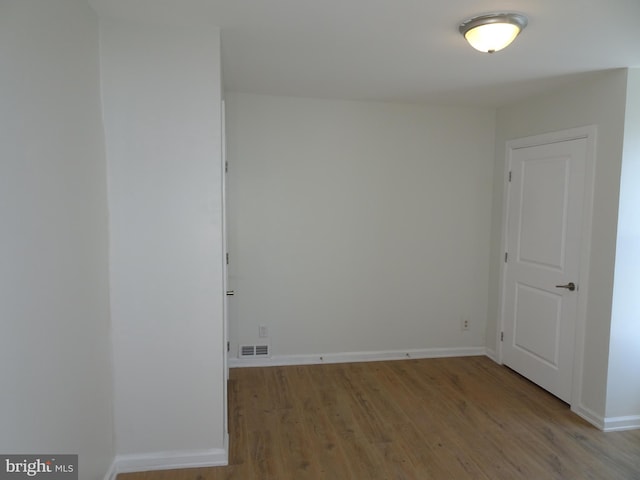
x,y
435,419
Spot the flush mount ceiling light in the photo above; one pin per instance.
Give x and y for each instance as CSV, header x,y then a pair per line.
x,y
493,32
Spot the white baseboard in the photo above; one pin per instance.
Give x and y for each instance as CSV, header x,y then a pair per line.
x,y
145,462
615,424
493,355
608,424
589,415
351,357
111,473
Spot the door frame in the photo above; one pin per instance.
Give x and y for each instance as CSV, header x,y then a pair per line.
x,y
589,133
225,268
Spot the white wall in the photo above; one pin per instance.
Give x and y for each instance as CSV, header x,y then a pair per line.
x,y
623,393
599,100
358,227
161,93
56,394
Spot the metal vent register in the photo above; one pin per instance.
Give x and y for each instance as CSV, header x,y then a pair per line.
x,y
254,351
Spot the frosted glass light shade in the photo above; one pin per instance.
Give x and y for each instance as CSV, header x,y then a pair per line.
x,y
491,33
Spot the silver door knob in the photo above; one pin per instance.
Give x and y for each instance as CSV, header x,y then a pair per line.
x,y
569,286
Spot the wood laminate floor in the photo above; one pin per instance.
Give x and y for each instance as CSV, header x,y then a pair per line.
x,y
440,419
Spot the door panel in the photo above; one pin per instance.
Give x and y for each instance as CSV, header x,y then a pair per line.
x,y
544,241
537,322
543,211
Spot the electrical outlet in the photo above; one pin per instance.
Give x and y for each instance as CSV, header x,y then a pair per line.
x,y
263,331
465,324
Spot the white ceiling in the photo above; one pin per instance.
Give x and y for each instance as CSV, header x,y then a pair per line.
x,y
400,50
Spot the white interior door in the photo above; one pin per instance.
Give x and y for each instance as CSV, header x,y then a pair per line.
x,y
544,229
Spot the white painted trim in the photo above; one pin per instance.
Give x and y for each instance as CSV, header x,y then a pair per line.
x,y
585,259
352,357
111,473
493,355
225,267
608,424
503,248
552,137
589,415
588,132
145,462
616,424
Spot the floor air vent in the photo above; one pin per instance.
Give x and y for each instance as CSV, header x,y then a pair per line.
x,y
247,351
